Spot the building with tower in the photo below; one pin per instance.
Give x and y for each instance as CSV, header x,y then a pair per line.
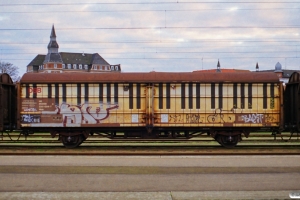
x,y
61,62
283,74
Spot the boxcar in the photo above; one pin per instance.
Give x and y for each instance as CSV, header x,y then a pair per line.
x,y
7,103
154,104
292,103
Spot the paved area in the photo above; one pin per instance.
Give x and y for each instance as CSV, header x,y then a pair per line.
x,y
149,177
173,195
163,161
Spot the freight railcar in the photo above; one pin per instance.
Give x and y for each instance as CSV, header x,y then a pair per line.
x,y
7,103
292,104
154,104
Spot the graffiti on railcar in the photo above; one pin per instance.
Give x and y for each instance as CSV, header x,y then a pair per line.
x,y
66,113
31,118
216,117
270,118
194,118
175,118
254,118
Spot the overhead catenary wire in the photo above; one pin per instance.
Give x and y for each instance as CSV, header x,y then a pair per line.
x,y
141,10
156,27
149,3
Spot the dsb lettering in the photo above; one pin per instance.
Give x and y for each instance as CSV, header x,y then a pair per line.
x,y
34,90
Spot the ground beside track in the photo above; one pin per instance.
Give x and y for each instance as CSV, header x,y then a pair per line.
x,y
149,149
149,177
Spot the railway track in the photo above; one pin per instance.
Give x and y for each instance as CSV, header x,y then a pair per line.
x,y
43,144
159,151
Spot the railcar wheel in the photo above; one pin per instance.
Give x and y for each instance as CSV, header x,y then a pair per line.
x,y
72,141
228,141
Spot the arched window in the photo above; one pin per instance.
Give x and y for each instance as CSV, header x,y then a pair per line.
x,y
80,66
74,66
69,66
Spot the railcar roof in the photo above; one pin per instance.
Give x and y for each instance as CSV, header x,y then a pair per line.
x,y
252,77
5,79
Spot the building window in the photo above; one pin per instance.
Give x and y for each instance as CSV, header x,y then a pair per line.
x,y
74,66
69,66
85,66
116,68
80,66
112,68
63,66
55,66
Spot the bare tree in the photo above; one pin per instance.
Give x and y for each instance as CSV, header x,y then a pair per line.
x,y
9,68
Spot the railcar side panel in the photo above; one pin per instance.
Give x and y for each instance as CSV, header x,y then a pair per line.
x,y
218,105
83,105
126,103
164,104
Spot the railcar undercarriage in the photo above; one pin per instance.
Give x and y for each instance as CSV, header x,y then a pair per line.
x,y
72,138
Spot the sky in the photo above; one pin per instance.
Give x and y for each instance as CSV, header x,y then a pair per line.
x,y
156,35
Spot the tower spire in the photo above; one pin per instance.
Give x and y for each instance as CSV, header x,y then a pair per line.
x,y
53,55
218,67
53,45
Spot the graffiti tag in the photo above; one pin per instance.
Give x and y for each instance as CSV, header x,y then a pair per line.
x,y
27,118
176,118
216,117
193,118
253,118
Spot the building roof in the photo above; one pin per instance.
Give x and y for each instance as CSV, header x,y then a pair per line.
x,y
286,73
53,57
38,60
70,58
223,70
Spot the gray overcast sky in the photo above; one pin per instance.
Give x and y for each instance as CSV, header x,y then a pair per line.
x,y
159,35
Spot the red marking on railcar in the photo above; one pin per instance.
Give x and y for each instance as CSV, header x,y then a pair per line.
x,y
34,90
